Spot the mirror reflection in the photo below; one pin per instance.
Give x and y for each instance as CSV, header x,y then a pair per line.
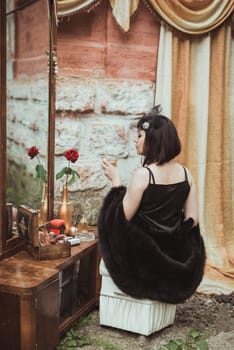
x,y
27,102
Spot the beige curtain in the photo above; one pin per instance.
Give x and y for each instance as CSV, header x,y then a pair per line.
x,y
219,207
198,94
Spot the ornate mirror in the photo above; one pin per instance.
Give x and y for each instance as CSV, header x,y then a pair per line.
x,y
29,105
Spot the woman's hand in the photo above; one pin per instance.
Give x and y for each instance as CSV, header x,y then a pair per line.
x,y
111,172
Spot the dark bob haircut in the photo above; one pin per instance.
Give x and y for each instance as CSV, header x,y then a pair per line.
x,y
162,142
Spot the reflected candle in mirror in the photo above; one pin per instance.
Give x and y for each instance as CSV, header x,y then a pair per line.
x,y
83,225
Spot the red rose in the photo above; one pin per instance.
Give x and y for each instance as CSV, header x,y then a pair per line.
x,y
41,173
33,152
72,155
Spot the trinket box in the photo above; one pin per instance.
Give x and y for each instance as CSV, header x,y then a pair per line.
x,y
37,238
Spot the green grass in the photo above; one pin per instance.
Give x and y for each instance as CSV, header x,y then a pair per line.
x,y
74,340
194,341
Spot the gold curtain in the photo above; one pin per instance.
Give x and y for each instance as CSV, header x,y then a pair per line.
x,y
193,16
198,80
200,101
195,85
219,201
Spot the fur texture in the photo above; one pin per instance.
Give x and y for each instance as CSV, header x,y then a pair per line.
x,y
163,267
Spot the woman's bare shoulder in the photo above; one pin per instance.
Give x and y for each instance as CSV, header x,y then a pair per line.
x,y
141,172
140,177
189,174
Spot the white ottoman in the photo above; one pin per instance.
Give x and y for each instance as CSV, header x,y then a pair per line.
x,y
119,310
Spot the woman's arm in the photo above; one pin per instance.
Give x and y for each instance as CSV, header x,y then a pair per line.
x,y
138,183
191,204
132,198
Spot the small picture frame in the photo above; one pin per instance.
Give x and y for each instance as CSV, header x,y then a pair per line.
x,y
27,225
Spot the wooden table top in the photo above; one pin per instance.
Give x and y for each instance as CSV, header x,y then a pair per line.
x,y
23,273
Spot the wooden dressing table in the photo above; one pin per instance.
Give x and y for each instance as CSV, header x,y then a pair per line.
x,y
40,299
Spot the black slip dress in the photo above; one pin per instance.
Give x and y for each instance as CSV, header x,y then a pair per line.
x,y
161,207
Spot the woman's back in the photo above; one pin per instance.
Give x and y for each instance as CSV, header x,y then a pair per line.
x,y
167,173
162,203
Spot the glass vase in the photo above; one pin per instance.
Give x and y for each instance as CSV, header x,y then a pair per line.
x,y
65,210
43,214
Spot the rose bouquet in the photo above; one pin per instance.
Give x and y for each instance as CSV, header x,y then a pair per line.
x,y
71,175
41,173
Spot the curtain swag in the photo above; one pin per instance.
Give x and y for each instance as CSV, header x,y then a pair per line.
x,y
193,16
188,16
71,7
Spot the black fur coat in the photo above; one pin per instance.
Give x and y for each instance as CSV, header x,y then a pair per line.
x,y
163,267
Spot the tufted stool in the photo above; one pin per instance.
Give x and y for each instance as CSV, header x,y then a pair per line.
x,y
118,310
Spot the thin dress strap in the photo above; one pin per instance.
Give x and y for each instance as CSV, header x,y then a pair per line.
x,y
151,176
186,175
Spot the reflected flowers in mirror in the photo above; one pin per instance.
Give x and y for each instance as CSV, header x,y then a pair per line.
x,y
41,173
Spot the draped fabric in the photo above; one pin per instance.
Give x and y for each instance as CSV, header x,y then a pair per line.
x,y
200,100
122,9
193,17
70,7
188,16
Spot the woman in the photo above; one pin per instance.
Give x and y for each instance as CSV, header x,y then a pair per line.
x,y
155,220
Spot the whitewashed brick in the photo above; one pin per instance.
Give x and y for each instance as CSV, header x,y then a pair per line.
x,y
75,95
127,97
